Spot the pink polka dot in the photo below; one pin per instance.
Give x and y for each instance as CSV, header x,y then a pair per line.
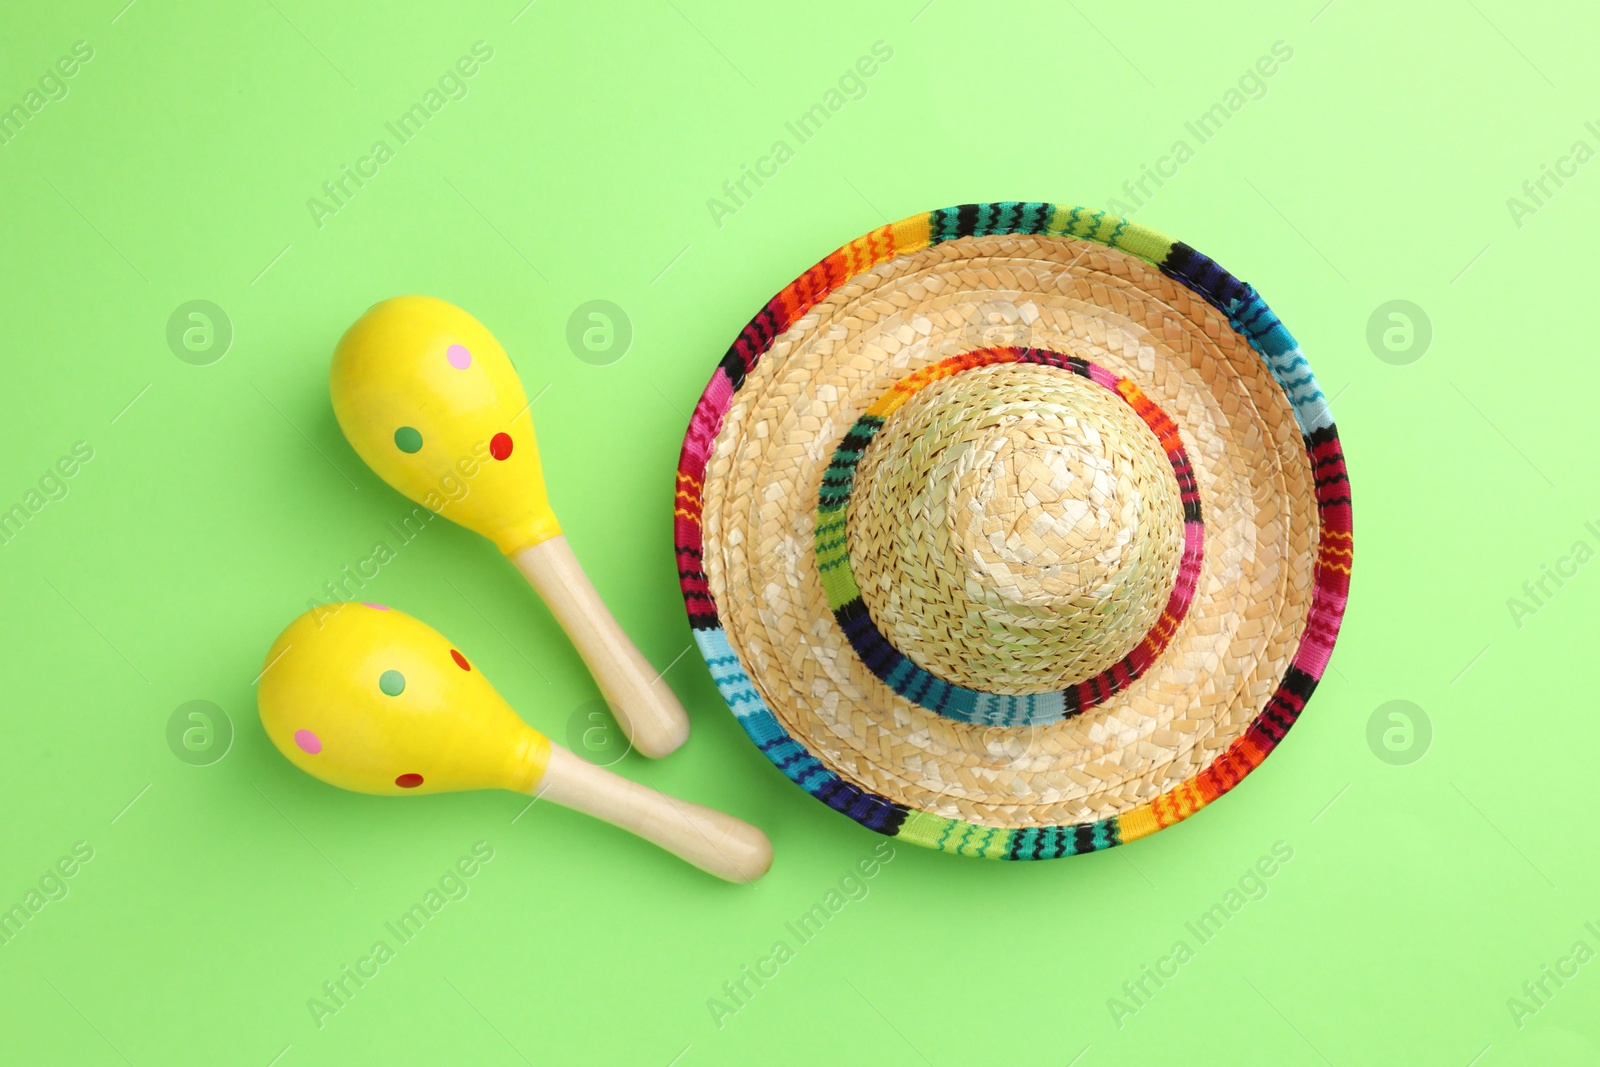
x,y
459,357
374,607
308,741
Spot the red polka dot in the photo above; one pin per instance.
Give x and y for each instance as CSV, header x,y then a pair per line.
x,y
408,781
461,661
500,445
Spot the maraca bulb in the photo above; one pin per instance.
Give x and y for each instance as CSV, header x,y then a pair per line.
x,y
429,399
370,699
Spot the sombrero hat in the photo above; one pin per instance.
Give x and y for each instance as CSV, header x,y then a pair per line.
x,y
1014,530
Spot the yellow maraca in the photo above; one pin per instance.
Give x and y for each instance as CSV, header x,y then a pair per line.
x,y
428,398
368,698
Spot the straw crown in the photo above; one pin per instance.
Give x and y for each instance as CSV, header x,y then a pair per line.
x,y
1015,529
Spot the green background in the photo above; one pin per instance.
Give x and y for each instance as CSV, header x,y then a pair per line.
x,y
1433,873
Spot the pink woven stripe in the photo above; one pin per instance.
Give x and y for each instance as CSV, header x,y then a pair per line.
x,y
1189,567
1099,374
705,423
1322,628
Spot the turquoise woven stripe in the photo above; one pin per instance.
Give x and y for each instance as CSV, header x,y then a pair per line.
x,y
754,715
1293,375
731,680
1257,322
989,220
927,690
1254,321
1016,216
1053,842
1034,844
943,224
1103,834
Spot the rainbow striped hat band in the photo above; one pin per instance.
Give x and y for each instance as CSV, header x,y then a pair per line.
x,y
1014,530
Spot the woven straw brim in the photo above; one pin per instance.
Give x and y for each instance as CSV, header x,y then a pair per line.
x,y
1238,668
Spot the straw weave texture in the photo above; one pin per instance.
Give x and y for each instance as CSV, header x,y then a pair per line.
x,y
1100,569
1015,529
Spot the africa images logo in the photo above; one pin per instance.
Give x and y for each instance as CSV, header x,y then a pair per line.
x,y
53,88
737,992
1537,191
338,191
1251,887
450,887
853,84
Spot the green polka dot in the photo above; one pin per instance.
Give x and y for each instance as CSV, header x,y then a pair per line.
x,y
407,439
393,683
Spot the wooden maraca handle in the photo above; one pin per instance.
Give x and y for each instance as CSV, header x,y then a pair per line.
x,y
717,843
645,706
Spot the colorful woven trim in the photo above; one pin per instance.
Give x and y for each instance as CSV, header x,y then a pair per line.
x,y
1249,316
922,687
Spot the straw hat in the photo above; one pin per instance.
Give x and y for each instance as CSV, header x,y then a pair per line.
x,y
1014,530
